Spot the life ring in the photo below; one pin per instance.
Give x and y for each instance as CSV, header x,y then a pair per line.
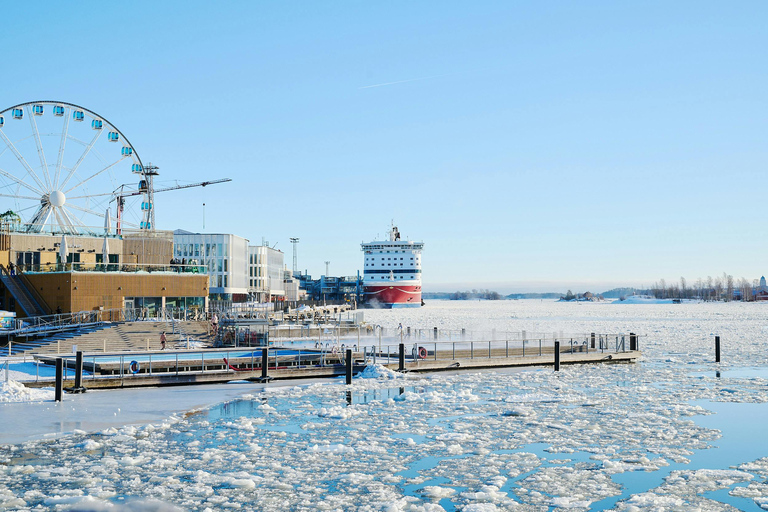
x,y
422,353
334,350
134,366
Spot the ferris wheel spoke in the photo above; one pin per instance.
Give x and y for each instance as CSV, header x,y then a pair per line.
x,y
63,143
39,144
16,196
60,220
41,216
20,182
84,210
21,159
91,195
82,157
27,208
95,174
67,220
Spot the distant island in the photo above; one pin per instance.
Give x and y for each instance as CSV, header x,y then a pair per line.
x,y
475,294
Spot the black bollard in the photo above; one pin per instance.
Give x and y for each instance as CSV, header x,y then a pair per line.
x,y
435,329
59,379
78,387
349,366
401,358
632,341
592,340
408,330
264,366
463,333
717,349
557,356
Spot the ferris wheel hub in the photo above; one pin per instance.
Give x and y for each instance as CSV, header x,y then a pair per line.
x,y
57,198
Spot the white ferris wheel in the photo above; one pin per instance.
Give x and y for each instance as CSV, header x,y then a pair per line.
x,y
61,165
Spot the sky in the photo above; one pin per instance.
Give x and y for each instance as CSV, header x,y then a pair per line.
x,y
532,146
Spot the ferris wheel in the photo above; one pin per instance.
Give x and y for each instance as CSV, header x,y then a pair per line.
x,y
60,167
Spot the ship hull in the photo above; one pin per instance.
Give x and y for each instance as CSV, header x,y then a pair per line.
x,y
393,296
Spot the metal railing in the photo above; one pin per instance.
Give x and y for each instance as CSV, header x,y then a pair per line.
x,y
332,355
111,267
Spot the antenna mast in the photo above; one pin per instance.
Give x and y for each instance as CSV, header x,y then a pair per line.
x,y
326,268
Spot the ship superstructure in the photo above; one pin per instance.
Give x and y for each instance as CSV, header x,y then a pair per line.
x,y
392,272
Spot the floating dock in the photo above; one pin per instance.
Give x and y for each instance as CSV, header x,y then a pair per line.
x,y
175,368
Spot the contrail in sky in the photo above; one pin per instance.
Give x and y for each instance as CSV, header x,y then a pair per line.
x,y
405,81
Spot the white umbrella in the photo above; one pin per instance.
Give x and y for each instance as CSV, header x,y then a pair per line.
x,y
105,251
107,222
63,249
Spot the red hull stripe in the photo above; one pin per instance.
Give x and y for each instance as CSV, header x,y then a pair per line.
x,y
393,294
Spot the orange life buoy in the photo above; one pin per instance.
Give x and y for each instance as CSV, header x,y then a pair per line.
x,y
422,353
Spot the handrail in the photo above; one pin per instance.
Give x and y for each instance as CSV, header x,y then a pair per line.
x,y
39,298
22,288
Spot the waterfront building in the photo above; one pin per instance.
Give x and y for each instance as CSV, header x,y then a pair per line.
x,y
223,257
266,273
130,270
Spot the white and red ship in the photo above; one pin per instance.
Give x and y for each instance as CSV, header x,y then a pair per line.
x,y
392,272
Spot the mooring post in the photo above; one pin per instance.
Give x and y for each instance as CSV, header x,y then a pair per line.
x,y
408,330
349,366
78,388
435,329
557,356
265,366
717,349
592,340
59,378
632,341
401,358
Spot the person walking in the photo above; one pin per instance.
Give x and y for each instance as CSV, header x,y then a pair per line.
x,y
162,341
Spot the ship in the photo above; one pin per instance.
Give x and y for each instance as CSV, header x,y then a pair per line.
x,y
392,272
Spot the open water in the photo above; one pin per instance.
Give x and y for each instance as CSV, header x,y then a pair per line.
x,y
673,432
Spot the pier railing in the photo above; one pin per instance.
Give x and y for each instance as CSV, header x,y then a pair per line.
x,y
297,358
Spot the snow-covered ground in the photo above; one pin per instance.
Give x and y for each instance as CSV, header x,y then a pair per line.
x,y
674,432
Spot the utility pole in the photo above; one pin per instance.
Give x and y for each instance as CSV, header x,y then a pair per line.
x,y
294,241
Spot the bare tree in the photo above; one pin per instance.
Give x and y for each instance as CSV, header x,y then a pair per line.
x,y
683,288
729,287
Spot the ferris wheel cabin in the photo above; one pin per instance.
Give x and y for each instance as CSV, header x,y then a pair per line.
x,y
2,121
113,136
58,110
37,110
17,113
97,124
78,115
127,151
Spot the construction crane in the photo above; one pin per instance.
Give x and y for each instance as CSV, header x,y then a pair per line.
x,y
120,196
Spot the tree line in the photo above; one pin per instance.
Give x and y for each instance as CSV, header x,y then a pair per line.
x,y
724,287
475,294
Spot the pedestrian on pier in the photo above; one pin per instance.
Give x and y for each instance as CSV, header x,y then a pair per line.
x,y
162,341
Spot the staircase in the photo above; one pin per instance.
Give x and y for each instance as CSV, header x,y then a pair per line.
x,y
21,294
115,337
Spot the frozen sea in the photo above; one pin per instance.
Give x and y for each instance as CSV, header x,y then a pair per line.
x,y
675,431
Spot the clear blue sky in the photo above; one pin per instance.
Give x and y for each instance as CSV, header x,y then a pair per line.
x,y
530,145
